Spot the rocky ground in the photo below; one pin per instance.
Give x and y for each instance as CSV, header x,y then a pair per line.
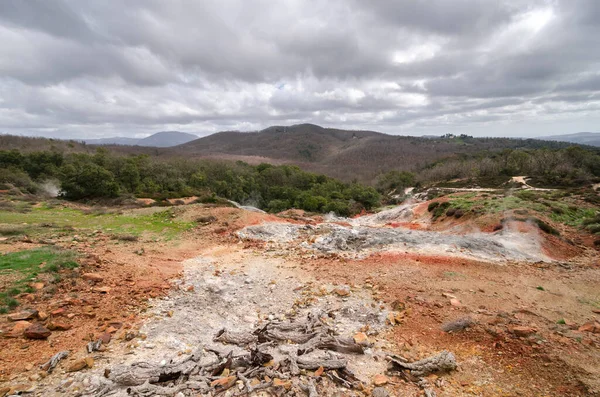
x,y
516,318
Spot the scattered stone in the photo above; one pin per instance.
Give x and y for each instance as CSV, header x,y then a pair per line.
x,y
591,326
455,302
58,312
42,316
78,365
58,326
341,292
319,371
458,325
37,286
89,362
224,383
522,331
95,277
37,331
115,324
102,290
24,315
361,338
19,328
380,392
449,296
380,380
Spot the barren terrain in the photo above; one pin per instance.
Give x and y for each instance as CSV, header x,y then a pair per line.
x,y
517,308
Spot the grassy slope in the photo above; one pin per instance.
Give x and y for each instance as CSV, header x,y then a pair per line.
x,y
24,267
42,220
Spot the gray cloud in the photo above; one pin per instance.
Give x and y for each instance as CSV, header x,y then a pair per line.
x,y
102,67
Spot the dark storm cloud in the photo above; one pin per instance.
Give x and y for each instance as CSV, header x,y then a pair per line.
x,y
101,66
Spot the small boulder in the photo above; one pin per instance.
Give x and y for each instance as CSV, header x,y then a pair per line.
x,y
18,329
77,365
58,312
380,380
591,326
58,326
37,331
95,277
106,337
341,292
361,338
522,331
24,315
455,302
102,290
42,315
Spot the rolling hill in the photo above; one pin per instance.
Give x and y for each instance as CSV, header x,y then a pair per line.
x,y
160,139
582,138
347,155
343,154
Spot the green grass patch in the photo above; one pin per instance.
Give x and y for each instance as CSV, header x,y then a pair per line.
x,y
158,223
25,266
552,204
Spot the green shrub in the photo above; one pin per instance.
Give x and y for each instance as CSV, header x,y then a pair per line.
x,y
440,209
433,205
546,228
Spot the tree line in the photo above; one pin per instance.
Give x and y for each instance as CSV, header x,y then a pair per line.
x,y
103,174
572,166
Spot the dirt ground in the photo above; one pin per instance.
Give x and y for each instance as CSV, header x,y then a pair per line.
x,y
528,332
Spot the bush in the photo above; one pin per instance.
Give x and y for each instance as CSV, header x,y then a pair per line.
x,y
459,213
395,182
594,229
546,228
433,205
126,237
440,210
451,212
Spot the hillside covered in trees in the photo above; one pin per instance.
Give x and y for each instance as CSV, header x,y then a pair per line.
x,y
104,175
347,155
342,154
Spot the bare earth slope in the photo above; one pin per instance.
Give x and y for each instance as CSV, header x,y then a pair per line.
x,y
515,318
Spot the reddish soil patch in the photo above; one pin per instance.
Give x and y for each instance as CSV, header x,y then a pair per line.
x,y
495,297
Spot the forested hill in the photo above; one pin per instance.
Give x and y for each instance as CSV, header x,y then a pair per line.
x,y
344,154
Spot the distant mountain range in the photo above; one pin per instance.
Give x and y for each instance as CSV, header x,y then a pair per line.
x,y
582,138
160,139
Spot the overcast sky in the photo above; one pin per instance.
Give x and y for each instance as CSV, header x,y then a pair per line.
x,y
72,68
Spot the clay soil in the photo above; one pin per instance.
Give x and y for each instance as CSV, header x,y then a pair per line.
x,y
553,299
